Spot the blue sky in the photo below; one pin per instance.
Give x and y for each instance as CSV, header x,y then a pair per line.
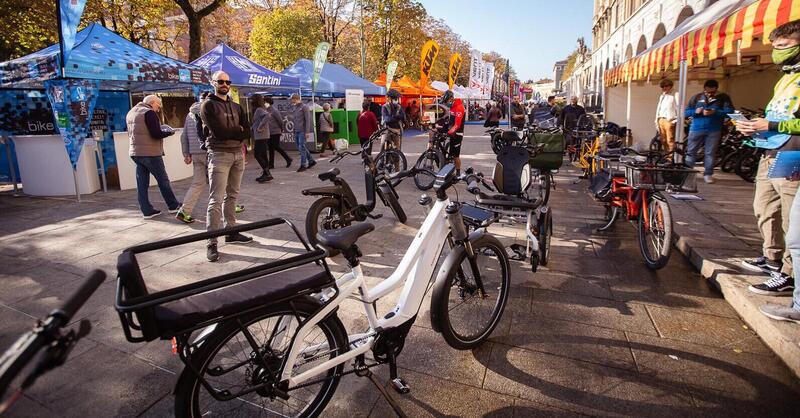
x,y
533,34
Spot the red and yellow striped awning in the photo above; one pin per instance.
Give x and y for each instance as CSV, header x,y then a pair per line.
x,y
710,42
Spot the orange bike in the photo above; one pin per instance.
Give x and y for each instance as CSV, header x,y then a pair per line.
x,y
635,192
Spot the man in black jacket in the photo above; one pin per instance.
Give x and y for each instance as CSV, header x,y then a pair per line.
x,y
226,127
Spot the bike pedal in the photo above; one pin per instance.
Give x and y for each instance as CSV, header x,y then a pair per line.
x,y
400,386
378,216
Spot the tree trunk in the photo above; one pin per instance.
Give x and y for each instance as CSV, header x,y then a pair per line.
x,y
195,38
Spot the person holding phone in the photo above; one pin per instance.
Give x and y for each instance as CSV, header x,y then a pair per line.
x,y
708,111
777,204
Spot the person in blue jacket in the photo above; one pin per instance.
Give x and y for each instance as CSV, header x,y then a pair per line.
x,y
708,111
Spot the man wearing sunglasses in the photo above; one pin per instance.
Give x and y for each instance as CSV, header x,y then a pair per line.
x,y
226,127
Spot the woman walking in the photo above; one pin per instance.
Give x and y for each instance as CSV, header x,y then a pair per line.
x,y
261,134
326,129
275,120
367,125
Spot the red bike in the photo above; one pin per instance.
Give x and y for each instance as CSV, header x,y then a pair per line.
x,y
635,193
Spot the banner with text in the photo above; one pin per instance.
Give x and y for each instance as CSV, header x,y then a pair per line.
x,y
475,69
73,104
455,66
428,56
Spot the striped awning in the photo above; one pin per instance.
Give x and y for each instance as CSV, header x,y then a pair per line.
x,y
709,42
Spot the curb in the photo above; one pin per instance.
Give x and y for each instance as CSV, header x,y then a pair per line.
x,y
783,338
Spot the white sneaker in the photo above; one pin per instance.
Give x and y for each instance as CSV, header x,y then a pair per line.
x,y
709,179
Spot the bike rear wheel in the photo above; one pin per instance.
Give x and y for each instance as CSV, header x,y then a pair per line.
x,y
747,165
391,161
229,361
324,214
655,232
729,162
429,160
462,314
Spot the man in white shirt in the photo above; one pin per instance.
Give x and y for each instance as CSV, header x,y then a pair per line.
x,y
667,115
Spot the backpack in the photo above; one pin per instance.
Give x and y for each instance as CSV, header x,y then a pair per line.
x,y
201,133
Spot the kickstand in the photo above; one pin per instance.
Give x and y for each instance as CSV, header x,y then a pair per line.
x,y
386,395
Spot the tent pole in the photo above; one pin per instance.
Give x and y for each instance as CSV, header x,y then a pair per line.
x,y
7,142
75,178
628,107
682,80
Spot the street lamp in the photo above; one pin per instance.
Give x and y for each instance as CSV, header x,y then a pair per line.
x,y
367,7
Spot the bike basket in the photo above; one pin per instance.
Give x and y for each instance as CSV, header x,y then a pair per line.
x,y
661,178
552,156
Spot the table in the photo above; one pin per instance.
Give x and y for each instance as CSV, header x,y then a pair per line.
x,y
173,160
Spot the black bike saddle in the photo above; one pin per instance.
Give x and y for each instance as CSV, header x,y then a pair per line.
x,y
344,238
330,174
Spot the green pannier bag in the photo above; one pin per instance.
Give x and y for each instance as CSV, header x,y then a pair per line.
x,y
553,155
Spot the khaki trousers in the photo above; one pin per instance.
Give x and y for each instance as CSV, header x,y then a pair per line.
x,y
772,205
666,130
225,170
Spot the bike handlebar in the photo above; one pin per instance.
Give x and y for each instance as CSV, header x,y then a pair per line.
x,y
89,286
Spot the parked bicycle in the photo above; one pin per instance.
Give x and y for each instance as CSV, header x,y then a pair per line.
x,y
268,340
433,158
635,193
48,335
338,206
390,159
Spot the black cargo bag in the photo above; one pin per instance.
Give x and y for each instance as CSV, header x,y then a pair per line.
x,y
553,154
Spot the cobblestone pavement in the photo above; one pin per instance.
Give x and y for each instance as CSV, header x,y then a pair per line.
x,y
594,333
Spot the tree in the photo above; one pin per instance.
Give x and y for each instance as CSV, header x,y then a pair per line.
x,y
141,22
334,18
28,25
394,32
195,18
281,37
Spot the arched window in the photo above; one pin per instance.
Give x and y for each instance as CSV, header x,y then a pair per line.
x,y
685,13
642,45
660,32
629,52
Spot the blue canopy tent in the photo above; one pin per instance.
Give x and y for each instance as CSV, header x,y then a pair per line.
x,y
333,81
245,73
100,60
100,54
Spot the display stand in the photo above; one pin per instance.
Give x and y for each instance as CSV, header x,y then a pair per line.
x,y
173,160
46,171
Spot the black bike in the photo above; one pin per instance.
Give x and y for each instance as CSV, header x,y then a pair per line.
x,y
391,159
434,158
338,207
47,334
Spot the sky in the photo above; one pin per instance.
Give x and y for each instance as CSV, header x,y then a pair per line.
x,y
533,34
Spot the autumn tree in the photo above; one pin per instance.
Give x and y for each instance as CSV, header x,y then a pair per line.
x,y
333,17
28,25
281,37
394,32
195,11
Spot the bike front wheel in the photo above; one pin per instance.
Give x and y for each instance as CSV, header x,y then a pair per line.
x,y
391,161
655,232
325,213
249,351
463,313
429,160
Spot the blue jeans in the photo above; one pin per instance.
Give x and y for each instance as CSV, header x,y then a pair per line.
x,y
305,155
793,244
709,140
145,166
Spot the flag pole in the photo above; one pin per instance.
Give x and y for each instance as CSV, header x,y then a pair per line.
x,y
61,63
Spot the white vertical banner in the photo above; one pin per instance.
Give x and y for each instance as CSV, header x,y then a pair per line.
x,y
475,64
489,80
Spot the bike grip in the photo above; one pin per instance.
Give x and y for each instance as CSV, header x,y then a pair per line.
x,y
89,286
473,188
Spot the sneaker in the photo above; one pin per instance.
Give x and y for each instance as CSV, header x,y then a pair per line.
x,y
762,265
709,179
239,209
289,163
152,215
176,210
265,177
781,313
778,284
238,238
312,164
184,217
301,169
211,253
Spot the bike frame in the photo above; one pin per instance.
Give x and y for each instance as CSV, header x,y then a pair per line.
x,y
630,199
414,274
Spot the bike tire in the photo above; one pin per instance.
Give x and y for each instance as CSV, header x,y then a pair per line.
x,y
189,390
391,161
312,220
729,162
545,234
431,160
443,314
390,199
659,214
543,180
747,165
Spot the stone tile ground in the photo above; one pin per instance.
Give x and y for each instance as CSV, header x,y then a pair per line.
x,y
594,333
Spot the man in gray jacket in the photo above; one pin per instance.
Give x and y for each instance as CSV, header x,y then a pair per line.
x,y
226,127
146,151
195,154
303,131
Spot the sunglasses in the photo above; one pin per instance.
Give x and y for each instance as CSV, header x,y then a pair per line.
x,y
221,82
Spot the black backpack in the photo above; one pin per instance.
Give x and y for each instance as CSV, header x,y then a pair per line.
x,y
201,133
512,173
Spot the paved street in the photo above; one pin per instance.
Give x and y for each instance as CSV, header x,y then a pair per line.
x,y
595,333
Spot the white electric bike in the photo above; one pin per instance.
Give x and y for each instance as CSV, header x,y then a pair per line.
x,y
286,357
